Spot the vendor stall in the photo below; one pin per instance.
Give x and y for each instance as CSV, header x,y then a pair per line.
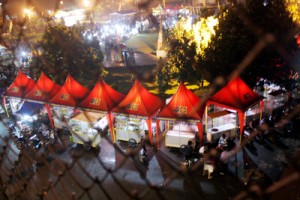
x,y
136,109
61,115
179,133
221,121
183,114
236,95
83,128
127,128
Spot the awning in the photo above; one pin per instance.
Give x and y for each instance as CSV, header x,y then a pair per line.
x,y
219,114
30,108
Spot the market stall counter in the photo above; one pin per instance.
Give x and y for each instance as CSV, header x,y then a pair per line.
x,y
174,138
90,138
228,129
83,131
129,128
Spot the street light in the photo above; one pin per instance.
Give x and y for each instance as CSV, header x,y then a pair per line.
x,y
28,12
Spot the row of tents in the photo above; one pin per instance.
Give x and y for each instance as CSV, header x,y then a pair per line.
x,y
139,102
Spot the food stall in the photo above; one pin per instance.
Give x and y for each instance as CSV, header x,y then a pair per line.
x,y
133,115
61,115
183,115
85,126
237,96
179,133
127,128
221,121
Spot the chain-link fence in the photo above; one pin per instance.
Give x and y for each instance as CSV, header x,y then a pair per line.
x,y
41,162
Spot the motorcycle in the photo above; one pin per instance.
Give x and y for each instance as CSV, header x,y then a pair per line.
x,y
28,139
33,141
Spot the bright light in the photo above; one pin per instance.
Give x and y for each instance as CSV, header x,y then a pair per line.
x,y
24,53
28,12
86,3
27,117
61,2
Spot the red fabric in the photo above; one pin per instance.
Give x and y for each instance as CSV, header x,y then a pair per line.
x,y
110,119
298,39
241,120
261,104
20,87
102,97
70,94
48,108
183,105
139,101
149,123
236,95
200,132
43,90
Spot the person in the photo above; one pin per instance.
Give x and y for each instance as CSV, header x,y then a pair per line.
x,y
222,141
143,154
188,153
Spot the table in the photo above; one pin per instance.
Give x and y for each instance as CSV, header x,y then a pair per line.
x,y
175,138
229,129
185,128
90,136
125,135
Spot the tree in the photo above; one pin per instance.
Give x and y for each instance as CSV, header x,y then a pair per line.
x,y
70,50
186,42
293,6
234,39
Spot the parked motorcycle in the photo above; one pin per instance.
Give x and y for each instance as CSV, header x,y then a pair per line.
x,y
33,141
28,139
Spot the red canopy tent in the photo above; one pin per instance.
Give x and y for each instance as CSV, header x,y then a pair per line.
x,y
140,102
102,98
236,95
43,91
19,88
184,105
70,94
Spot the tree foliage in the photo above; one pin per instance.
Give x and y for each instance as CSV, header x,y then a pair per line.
x,y
238,32
293,6
186,42
67,50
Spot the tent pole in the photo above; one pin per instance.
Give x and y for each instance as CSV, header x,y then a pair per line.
x,y
149,123
48,108
5,108
206,119
157,133
241,115
200,132
261,105
111,126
